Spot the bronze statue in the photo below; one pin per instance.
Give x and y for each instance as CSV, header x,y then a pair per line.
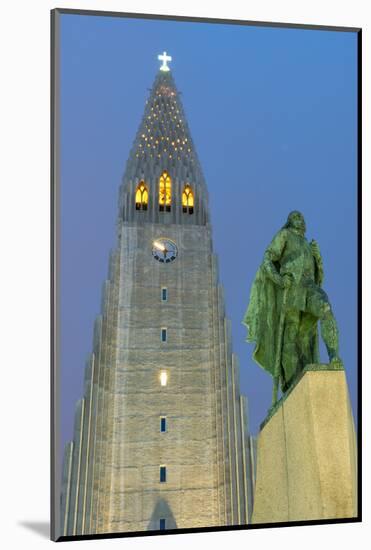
x,y
286,302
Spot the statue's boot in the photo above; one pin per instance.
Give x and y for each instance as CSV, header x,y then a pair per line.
x,y
330,336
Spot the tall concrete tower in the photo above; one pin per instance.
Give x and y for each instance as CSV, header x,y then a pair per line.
x,y
161,438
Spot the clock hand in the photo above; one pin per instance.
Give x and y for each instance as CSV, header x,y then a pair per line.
x,y
159,246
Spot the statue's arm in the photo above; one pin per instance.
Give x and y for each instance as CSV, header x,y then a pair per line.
x,y
318,261
272,255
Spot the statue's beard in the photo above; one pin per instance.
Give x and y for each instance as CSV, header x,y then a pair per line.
x,y
299,230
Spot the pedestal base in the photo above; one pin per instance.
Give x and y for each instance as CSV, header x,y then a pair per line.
x,y
306,464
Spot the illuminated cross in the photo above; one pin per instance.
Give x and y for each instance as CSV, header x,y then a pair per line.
x,y
164,58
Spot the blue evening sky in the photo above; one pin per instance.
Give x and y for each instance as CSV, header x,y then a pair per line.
x,y
272,113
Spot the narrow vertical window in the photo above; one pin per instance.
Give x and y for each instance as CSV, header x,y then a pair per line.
x,y
164,294
164,192
141,197
187,199
162,474
163,424
164,335
162,524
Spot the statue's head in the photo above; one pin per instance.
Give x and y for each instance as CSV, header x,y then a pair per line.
x,y
295,220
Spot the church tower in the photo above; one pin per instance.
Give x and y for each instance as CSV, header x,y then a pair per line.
x,y
161,438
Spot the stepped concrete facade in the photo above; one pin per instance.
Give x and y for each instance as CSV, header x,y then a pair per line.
x,y
161,434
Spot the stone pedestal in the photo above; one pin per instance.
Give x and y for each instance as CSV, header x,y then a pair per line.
x,y
306,464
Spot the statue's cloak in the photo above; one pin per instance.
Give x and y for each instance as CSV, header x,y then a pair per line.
x,y
262,320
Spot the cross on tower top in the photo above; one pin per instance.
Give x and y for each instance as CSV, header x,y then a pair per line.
x,y
164,58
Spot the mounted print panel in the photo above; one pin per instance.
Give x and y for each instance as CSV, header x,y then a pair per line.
x,y
205,371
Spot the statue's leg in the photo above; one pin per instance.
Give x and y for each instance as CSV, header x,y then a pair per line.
x,y
330,333
290,355
307,342
319,305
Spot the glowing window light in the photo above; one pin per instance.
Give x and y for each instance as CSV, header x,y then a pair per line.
x,y
163,378
165,189
141,197
187,197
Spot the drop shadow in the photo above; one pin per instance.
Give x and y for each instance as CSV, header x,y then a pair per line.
x,y
162,510
42,528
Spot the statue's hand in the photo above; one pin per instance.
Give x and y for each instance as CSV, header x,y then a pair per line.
x,y
286,281
318,260
315,249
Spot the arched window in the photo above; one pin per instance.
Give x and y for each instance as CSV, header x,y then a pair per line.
x,y
141,197
187,199
164,194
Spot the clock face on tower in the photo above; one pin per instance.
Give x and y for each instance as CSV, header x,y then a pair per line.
x,y
164,250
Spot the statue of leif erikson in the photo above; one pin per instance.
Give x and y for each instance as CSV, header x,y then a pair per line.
x,y
286,303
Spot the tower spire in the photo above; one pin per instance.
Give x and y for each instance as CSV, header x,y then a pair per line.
x,y
163,132
163,143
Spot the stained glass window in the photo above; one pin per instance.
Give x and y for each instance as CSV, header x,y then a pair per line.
x,y
141,197
188,199
164,197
